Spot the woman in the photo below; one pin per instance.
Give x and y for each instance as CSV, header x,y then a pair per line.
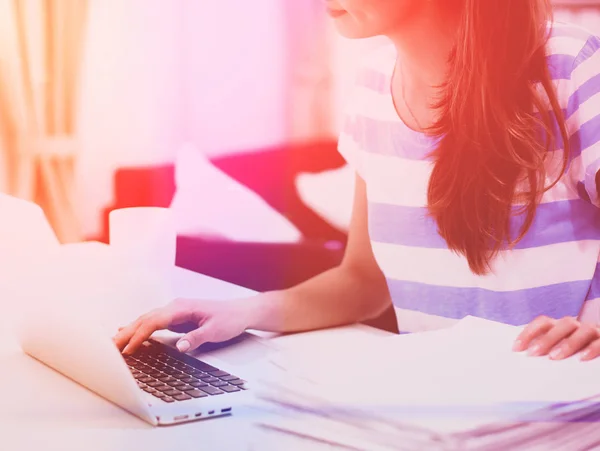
x,y
475,138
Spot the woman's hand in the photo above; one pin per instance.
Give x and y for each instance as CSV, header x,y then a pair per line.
x,y
204,321
559,338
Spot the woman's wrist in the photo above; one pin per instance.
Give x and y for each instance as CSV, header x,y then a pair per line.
x,y
263,311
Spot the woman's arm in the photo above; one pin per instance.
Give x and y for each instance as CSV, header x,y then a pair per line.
x,y
353,292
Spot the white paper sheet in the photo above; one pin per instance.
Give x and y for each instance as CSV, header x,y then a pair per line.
x,y
448,380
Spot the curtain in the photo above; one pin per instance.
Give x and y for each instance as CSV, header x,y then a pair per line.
x,y
41,44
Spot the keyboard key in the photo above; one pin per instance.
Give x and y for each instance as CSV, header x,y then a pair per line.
x,y
149,390
146,379
167,379
186,388
154,384
211,390
230,388
189,380
197,373
237,382
218,384
159,394
205,367
198,384
171,371
172,392
197,394
168,399
165,352
155,374
182,397
209,379
176,383
229,378
218,373
163,388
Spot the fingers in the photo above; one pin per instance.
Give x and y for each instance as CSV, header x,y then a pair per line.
x,y
196,338
178,312
535,329
563,328
125,333
592,351
559,338
145,329
580,339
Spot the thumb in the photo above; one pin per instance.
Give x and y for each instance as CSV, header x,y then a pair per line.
x,y
192,340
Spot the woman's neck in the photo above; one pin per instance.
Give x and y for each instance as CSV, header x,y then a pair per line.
x,y
423,47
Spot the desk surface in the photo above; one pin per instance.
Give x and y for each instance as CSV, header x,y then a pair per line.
x,y
43,410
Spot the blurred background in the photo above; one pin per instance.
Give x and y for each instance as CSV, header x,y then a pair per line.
x,y
225,110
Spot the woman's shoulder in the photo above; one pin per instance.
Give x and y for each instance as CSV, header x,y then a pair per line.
x,y
567,41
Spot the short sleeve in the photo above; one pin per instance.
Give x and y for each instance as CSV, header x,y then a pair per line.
x,y
583,116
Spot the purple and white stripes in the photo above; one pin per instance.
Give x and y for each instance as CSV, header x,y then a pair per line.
x,y
552,271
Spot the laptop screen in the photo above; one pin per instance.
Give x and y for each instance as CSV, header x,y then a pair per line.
x,y
24,229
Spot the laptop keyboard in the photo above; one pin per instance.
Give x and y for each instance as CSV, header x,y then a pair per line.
x,y
172,376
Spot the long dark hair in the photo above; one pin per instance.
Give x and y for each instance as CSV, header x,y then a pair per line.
x,y
496,121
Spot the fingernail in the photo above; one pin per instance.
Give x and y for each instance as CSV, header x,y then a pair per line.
x,y
534,350
585,355
518,345
183,345
556,353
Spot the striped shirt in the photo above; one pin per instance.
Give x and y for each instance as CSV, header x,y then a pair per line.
x,y
552,271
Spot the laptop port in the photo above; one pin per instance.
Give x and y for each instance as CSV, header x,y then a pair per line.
x,y
181,417
199,414
227,409
211,412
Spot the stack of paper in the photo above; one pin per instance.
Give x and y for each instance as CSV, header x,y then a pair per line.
x,y
460,388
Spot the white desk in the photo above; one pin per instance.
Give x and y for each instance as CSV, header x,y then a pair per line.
x,y
42,410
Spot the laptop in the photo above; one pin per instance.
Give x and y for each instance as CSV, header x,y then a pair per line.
x,y
158,384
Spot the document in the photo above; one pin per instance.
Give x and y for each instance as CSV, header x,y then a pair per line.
x,y
432,387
